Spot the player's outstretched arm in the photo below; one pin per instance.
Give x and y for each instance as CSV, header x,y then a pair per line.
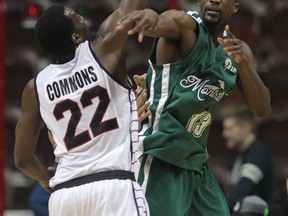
x,y
174,28
149,23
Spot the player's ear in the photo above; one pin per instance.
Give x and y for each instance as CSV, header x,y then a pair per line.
x,y
76,38
236,7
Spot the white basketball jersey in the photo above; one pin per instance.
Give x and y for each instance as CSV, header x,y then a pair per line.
x,y
92,117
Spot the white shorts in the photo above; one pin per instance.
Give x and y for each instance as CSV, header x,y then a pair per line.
x,y
100,198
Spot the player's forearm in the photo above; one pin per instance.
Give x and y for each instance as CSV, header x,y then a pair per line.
x,y
253,89
33,169
157,25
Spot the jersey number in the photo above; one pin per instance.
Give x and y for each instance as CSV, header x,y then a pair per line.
x,y
97,125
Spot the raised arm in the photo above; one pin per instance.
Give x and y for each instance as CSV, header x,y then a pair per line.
x,y
255,93
127,6
109,44
26,136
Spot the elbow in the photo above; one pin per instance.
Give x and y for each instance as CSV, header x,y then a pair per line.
x,y
20,162
268,110
263,111
262,114
262,107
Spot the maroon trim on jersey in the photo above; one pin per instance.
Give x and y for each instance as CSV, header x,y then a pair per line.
x,y
135,200
110,75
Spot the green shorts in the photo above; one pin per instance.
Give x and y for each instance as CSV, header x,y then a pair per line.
x,y
173,191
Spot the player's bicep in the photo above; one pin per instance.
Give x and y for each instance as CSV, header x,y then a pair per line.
x,y
185,31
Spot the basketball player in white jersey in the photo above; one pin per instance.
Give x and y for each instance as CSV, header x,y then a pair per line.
x,y
89,108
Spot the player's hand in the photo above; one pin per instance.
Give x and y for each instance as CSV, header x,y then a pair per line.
x,y
140,81
143,108
45,184
233,46
46,187
142,22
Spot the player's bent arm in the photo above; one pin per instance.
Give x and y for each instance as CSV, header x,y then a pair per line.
x,y
254,91
187,31
256,94
184,25
175,47
26,136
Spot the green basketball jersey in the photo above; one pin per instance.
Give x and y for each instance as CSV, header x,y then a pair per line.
x,y
184,96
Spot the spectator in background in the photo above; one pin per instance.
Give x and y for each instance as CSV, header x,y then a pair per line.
x,y
279,206
38,201
251,206
252,172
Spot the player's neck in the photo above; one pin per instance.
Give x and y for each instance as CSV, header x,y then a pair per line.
x,y
64,59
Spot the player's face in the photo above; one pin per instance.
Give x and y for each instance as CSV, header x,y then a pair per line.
x,y
217,12
80,25
233,133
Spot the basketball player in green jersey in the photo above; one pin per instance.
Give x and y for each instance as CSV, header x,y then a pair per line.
x,y
191,68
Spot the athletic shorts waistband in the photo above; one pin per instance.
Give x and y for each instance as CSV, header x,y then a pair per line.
x,y
105,175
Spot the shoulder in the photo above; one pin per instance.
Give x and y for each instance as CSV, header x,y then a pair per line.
x,y
259,144
29,97
183,18
30,88
29,93
195,15
260,149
